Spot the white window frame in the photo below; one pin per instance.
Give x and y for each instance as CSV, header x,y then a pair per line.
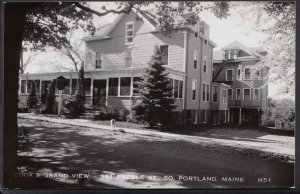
x,y
258,97
231,93
126,30
99,59
237,73
195,85
232,74
131,56
207,99
244,93
212,94
204,64
236,96
245,73
196,57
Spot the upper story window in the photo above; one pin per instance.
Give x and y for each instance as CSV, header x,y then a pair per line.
x,y
229,74
247,95
204,64
230,54
238,94
129,30
247,73
238,74
229,92
256,74
256,94
205,96
98,62
164,49
195,59
215,94
128,57
194,89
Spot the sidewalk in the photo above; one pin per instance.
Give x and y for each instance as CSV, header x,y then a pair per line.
x,y
270,146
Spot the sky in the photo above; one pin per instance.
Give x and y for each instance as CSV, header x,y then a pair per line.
x,y
222,32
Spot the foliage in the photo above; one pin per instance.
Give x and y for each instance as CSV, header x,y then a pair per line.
x,y
278,21
32,99
155,106
75,104
50,100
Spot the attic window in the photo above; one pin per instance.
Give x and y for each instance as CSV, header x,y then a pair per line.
x,y
129,32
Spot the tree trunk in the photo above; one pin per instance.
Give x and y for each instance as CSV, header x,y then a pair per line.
x,y
15,14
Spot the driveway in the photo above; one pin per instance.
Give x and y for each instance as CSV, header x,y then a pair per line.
x,y
116,159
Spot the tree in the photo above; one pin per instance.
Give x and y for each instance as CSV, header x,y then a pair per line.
x,y
278,21
46,24
24,62
80,93
156,105
32,99
50,100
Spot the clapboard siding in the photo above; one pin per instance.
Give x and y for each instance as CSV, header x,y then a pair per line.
x,y
144,41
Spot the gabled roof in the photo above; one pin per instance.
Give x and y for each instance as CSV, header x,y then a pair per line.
x,y
254,53
104,31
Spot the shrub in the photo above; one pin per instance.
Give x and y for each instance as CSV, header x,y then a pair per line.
x,y
123,114
106,113
32,99
50,100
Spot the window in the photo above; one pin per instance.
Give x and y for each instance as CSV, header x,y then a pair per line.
x,y
247,73
238,74
203,91
29,86
213,74
229,93
125,84
204,116
37,86
204,64
87,86
23,86
238,94
113,86
170,93
215,93
195,59
246,95
256,94
224,96
74,86
135,90
194,86
164,53
230,54
207,92
180,89
98,60
66,90
226,54
176,92
129,32
128,57
229,74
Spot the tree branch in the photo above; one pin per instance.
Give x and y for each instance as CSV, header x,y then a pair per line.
x,y
127,9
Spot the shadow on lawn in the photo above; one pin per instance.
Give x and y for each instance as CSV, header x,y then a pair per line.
x,y
55,148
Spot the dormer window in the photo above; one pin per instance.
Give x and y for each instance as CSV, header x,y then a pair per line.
x,y
129,32
230,54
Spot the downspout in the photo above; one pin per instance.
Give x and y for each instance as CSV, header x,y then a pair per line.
x,y
200,78
185,63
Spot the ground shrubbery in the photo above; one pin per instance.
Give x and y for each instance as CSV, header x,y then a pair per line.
x,y
108,113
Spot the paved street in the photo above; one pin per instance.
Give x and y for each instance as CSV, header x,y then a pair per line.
x,y
116,159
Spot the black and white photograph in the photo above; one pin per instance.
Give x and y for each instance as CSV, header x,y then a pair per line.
x,y
149,95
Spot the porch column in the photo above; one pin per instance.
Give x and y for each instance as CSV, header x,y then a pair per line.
x,y
225,119
40,89
106,100
240,117
214,117
92,88
228,116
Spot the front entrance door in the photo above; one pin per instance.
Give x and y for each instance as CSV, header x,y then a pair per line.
x,y
99,92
